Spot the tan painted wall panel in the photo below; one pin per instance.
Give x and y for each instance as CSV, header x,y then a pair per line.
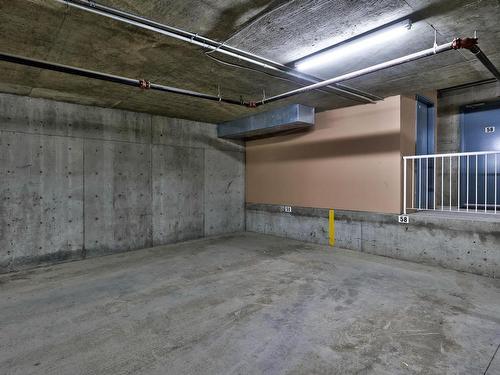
x,y
350,160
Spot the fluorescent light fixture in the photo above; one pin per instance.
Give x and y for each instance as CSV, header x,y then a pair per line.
x,y
366,40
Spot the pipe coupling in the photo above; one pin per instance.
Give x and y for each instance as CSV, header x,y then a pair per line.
x,y
466,43
144,85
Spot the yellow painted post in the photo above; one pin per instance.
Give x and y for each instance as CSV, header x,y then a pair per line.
x,y
331,217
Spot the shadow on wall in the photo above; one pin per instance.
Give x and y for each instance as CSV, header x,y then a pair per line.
x,y
362,145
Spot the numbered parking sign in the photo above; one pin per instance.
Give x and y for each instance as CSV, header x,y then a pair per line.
x,y
403,219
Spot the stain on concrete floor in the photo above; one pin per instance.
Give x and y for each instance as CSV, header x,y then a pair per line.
x,y
247,304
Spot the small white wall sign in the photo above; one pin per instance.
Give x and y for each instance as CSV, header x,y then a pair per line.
x,y
287,209
403,219
489,129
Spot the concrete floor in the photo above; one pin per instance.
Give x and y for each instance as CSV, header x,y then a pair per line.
x,y
247,304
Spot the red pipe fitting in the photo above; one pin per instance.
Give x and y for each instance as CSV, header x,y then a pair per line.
x,y
144,85
467,43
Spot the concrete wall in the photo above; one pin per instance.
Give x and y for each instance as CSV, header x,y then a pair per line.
x,y
448,241
350,160
79,181
448,127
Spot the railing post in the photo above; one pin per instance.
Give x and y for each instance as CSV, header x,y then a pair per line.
x,y
496,183
419,184
427,183
485,183
458,183
435,178
450,184
413,162
442,183
404,186
476,180
467,203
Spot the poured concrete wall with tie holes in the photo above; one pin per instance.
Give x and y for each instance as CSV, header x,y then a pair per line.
x,y
80,181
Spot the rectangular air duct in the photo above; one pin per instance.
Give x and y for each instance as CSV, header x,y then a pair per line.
x,y
291,117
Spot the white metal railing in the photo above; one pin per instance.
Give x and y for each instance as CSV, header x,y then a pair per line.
x,y
456,182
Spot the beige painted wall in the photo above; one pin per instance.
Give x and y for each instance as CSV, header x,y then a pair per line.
x,y
351,160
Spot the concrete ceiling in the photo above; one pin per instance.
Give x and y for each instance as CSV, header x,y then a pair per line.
x,y
283,30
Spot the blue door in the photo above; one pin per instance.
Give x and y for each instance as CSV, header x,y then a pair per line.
x,y
480,131
424,169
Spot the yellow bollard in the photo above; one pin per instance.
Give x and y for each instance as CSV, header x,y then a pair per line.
x,y
332,227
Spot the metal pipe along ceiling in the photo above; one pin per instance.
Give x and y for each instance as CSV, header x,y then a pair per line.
x,y
459,43
362,72
467,43
212,45
485,61
141,83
